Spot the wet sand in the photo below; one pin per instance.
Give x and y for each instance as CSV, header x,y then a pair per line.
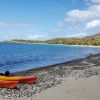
x,y
74,80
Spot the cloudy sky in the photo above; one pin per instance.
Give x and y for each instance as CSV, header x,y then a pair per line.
x,y
46,19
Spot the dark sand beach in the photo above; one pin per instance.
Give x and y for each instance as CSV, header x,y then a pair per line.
x,y
74,80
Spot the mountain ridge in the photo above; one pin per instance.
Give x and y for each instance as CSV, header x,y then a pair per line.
x,y
88,40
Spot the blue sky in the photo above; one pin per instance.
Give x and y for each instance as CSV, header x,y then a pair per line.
x,y
46,19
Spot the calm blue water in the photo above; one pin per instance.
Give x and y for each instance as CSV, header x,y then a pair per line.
x,y
18,57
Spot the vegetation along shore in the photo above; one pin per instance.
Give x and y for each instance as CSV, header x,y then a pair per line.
x,y
87,41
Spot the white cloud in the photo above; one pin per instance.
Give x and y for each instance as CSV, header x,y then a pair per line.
x,y
81,34
93,24
76,15
36,37
80,21
80,18
93,1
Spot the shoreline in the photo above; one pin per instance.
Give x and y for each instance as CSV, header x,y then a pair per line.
x,y
53,44
51,67
55,80
60,81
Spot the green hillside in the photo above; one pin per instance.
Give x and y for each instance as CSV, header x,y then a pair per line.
x,y
89,40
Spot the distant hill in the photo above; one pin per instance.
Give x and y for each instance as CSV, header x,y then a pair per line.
x,y
89,40
94,37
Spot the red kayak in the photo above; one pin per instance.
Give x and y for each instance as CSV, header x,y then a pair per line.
x,y
28,79
8,84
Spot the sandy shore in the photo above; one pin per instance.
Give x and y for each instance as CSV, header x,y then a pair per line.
x,y
71,89
74,80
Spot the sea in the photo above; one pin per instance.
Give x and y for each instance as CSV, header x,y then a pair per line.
x,y
17,57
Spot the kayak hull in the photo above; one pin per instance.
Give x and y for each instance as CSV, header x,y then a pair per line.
x,y
8,84
21,79
28,79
